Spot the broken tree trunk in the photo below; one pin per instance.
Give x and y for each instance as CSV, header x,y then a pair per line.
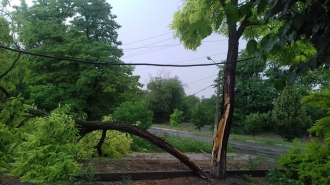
x,y
89,126
220,138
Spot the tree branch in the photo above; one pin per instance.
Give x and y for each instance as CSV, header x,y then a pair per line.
x,y
245,23
99,144
11,67
97,125
223,3
5,91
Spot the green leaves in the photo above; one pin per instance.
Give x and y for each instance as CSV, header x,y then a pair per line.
x,y
176,118
251,47
201,27
267,42
279,84
291,120
261,6
46,149
245,9
134,113
232,13
219,20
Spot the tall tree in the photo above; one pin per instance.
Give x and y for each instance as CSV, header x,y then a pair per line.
x,y
291,120
83,29
195,21
253,92
165,94
11,76
189,102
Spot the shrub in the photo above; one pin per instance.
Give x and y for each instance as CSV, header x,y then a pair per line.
x,y
290,118
134,113
199,117
115,144
309,167
176,118
279,178
254,123
48,149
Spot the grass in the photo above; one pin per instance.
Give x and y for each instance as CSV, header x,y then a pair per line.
x,y
185,127
270,139
181,143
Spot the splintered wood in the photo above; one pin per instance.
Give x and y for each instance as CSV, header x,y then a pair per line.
x,y
219,136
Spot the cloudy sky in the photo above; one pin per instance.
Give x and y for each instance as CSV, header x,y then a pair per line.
x,y
147,38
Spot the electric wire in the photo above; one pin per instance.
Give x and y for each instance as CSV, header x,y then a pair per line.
x,y
169,44
185,60
147,38
114,64
197,92
151,50
202,79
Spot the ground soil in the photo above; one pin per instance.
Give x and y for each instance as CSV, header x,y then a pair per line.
x,y
165,162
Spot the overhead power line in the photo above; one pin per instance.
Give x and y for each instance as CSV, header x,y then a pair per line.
x,y
197,92
147,38
202,79
151,50
169,45
112,64
187,60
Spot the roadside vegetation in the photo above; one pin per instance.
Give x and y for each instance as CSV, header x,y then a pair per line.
x,y
283,92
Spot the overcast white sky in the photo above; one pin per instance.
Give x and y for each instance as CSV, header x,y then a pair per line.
x,y
144,19
149,18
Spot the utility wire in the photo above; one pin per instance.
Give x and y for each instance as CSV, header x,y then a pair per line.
x,y
185,60
201,79
197,92
151,50
169,45
113,64
146,38
144,52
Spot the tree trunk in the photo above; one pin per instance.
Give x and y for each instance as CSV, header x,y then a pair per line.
x,y
220,140
89,126
217,106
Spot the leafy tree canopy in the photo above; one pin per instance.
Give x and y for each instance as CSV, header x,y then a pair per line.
x,y
165,94
288,115
75,29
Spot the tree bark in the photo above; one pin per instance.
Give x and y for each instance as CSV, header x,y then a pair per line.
x,y
217,106
220,140
89,126
100,143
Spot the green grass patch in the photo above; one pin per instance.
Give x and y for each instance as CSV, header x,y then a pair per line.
x,y
181,143
269,140
262,139
185,127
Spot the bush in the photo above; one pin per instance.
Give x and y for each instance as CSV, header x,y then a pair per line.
x,y
176,118
309,167
291,120
115,144
254,123
48,149
134,113
279,178
199,117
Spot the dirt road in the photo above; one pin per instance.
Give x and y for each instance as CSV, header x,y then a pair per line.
x,y
241,147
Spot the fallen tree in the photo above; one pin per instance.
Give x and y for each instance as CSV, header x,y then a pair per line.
x,y
86,127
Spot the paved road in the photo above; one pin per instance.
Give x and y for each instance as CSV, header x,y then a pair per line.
x,y
243,147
